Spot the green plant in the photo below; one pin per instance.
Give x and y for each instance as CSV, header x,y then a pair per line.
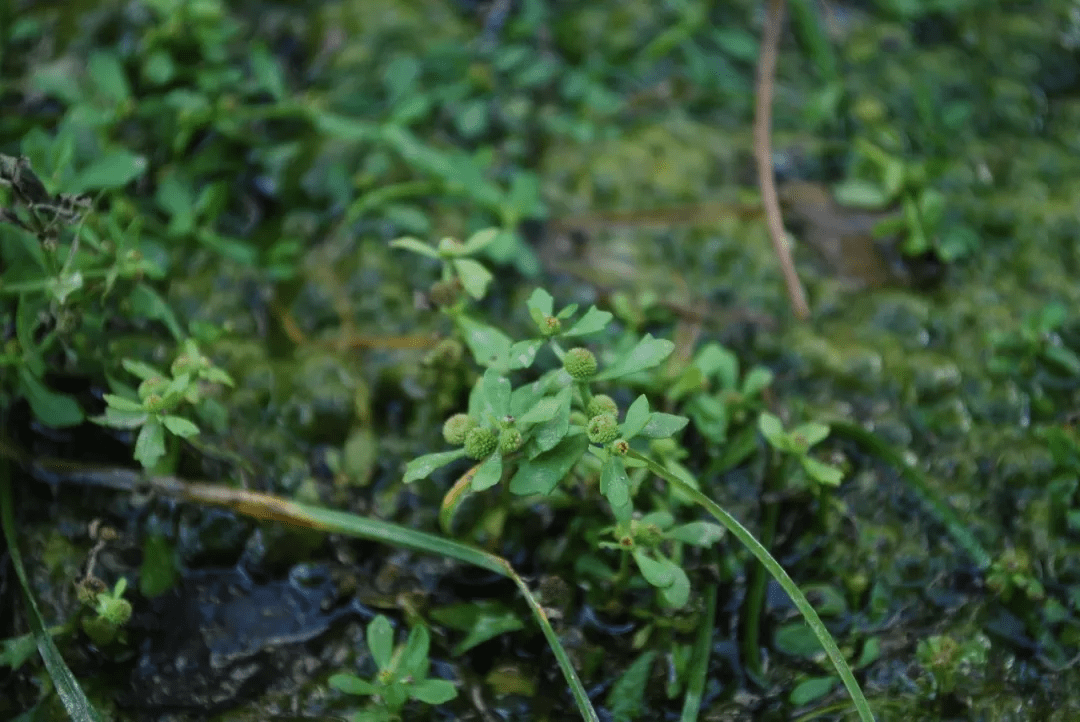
x,y
402,674
796,444
883,177
558,420
110,610
159,396
947,660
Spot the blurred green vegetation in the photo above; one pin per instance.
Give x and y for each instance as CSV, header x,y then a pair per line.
x,y
226,177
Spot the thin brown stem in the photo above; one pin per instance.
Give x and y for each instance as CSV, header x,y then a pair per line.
x,y
774,15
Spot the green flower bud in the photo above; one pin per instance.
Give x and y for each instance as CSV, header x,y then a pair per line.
x,y
602,428
550,326
480,442
510,440
579,363
603,404
577,418
456,428
620,447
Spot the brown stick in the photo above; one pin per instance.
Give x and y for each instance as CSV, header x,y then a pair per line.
x,y
774,15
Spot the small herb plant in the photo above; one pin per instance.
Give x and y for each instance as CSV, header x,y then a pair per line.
x,y
535,433
110,610
159,396
402,675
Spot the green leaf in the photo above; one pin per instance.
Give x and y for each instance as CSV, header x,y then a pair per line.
x,y
51,408
542,473
344,128
267,71
121,403
180,426
678,593
487,344
481,620
140,369
658,573
637,417
480,240
422,466
810,434
150,444
698,533
811,689
567,312
496,393
433,691
821,472
108,76
626,699
114,170
716,360
414,658
526,396
773,431
351,684
757,381
797,640
540,302
474,277
663,426
415,245
593,321
646,354
380,640
523,353
860,194
544,410
549,433
614,483
489,473
116,419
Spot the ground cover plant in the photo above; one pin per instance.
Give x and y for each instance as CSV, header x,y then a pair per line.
x,y
243,376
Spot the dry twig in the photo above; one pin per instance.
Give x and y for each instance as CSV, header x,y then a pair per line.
x,y
774,14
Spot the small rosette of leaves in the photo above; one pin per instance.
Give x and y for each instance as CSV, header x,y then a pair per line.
x,y
797,443
159,397
402,674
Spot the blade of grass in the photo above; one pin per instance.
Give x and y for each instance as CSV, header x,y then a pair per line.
x,y
67,687
699,663
918,482
801,602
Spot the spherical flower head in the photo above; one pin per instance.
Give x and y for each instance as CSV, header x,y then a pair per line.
x,y
456,428
602,428
620,447
480,442
603,404
580,363
510,440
